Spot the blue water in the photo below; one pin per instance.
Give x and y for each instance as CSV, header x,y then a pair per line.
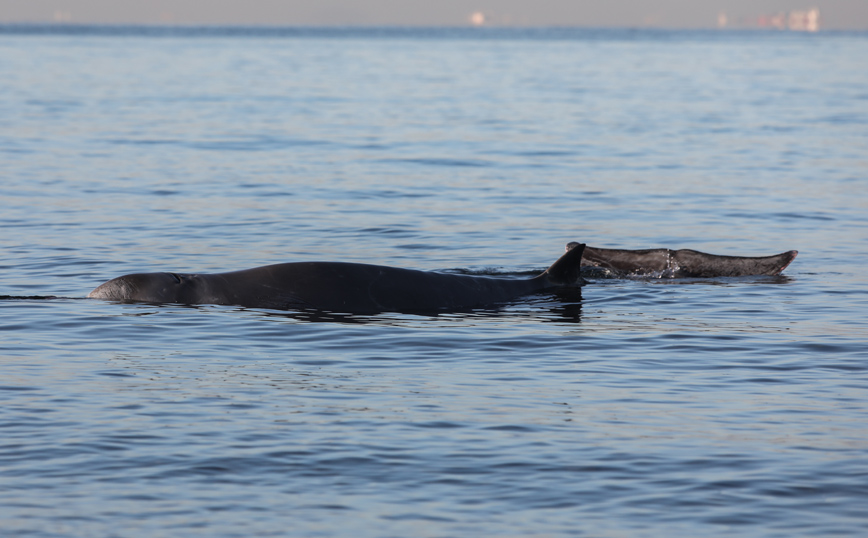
x,y
645,408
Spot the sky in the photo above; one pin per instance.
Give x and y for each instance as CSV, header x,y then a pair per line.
x,y
835,14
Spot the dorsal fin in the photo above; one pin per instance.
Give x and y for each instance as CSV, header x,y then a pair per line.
x,y
566,271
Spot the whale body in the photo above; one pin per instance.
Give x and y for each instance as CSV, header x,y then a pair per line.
x,y
357,288
339,287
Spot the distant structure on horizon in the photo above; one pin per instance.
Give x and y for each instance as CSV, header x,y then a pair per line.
x,y
477,18
802,20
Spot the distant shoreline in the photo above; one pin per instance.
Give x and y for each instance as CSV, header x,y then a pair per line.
x,y
386,31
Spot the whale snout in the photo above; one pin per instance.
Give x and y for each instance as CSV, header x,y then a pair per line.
x,y
115,288
145,287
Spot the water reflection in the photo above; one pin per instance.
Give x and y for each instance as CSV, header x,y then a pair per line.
x,y
560,306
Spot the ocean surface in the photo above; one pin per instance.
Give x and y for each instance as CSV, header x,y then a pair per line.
x,y
644,408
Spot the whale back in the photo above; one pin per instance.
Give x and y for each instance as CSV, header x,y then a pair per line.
x,y
360,288
338,287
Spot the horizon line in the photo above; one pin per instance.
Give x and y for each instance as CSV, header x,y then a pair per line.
x,y
193,25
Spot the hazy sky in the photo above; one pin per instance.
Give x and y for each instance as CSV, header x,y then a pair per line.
x,y
846,14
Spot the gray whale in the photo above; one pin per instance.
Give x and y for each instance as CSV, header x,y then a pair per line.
x,y
339,287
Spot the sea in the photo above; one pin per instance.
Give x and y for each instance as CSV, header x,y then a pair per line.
x,y
640,407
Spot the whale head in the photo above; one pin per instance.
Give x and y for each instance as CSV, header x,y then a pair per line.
x,y
146,287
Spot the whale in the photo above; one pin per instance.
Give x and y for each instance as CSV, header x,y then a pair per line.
x,y
683,263
340,287
357,288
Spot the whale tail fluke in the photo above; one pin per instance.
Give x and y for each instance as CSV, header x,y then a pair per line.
x,y
567,270
663,262
700,264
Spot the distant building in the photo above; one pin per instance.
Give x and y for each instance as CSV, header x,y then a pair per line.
x,y
805,20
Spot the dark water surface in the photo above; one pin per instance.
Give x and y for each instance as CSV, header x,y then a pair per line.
x,y
722,407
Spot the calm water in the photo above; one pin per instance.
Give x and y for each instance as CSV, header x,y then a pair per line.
x,y
728,407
